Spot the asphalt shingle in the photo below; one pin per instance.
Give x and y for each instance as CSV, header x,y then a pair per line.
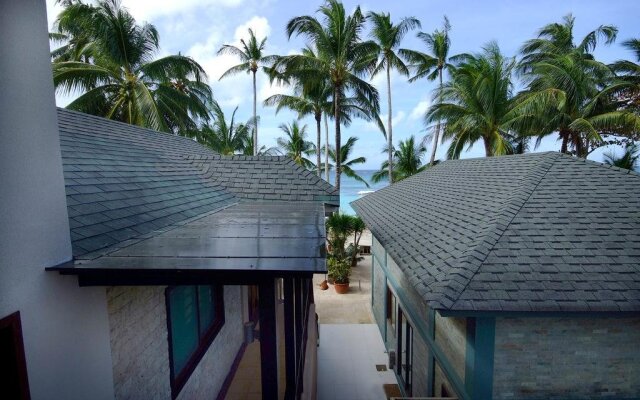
x,y
535,232
123,181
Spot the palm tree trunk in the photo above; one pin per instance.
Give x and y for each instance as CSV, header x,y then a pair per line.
x,y
389,126
336,107
565,141
318,137
326,147
255,119
488,150
436,138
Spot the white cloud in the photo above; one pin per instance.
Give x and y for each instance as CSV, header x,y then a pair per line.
x,y
260,26
268,90
420,109
233,90
145,10
395,120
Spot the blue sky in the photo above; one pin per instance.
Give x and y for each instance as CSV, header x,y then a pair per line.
x,y
200,27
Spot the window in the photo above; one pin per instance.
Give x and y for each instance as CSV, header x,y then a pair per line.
x,y
13,379
405,352
195,315
392,306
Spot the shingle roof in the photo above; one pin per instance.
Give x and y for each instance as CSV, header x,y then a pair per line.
x,y
535,232
123,181
266,178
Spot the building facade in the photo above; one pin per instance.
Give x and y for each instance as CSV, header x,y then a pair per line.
x,y
509,278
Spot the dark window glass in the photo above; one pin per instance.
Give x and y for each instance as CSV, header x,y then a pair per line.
x,y
405,352
195,315
184,325
207,310
392,307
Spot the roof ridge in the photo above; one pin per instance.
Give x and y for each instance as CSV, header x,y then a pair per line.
x,y
477,254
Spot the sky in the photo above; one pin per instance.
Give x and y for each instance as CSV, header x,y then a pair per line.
x,y
198,28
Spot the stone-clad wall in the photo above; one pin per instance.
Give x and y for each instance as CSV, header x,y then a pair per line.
x,y
420,367
140,347
566,358
451,338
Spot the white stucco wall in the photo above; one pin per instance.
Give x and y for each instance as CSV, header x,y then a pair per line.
x,y
65,327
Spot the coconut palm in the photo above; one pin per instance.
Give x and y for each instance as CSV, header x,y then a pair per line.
x,y
432,65
388,36
345,161
252,58
119,78
477,104
629,73
72,29
342,58
295,144
226,138
569,91
312,98
628,160
407,159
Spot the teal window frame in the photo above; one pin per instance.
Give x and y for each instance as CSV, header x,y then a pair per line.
x,y
206,327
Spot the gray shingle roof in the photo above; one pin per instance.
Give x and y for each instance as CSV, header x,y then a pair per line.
x,y
535,232
124,182
266,178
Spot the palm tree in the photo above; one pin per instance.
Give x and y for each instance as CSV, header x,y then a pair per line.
x,y
432,65
477,104
347,164
569,91
343,59
116,71
628,160
407,159
388,36
252,57
314,98
226,138
295,144
629,73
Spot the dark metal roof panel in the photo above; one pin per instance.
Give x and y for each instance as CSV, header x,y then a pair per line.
x,y
278,237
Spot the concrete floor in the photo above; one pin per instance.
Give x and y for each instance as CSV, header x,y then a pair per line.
x,y
347,359
350,342
351,308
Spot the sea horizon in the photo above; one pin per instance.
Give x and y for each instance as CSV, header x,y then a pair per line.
x,y
350,188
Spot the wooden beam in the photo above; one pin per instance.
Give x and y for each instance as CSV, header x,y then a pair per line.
x,y
268,339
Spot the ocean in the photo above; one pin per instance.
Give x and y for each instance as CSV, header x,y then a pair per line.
x,y
350,187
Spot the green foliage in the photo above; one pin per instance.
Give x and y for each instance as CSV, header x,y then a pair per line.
x,y
339,269
225,137
296,145
477,104
252,58
432,65
108,57
388,36
569,91
341,58
346,162
628,160
407,160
